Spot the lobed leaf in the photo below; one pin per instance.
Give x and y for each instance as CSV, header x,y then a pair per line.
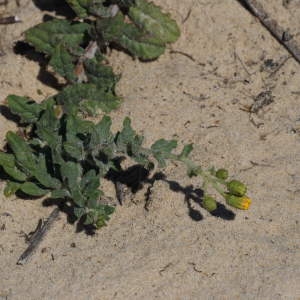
x,y
162,150
45,37
130,37
63,62
32,189
150,18
85,7
187,149
28,110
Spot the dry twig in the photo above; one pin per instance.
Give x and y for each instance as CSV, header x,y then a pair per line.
x,y
9,20
282,35
37,237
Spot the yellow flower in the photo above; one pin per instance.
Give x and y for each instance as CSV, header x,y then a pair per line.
x,y
238,202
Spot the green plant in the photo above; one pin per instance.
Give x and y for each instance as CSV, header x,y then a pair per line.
x,y
76,48
64,156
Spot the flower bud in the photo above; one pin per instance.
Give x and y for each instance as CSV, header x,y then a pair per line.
x,y
58,111
209,203
238,202
222,174
236,188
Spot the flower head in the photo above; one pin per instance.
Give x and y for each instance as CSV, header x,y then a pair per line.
x,y
222,174
238,202
236,188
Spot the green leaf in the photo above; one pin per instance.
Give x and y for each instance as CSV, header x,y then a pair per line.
x,y
41,173
103,215
22,151
31,164
48,128
130,37
90,182
162,150
32,189
140,47
75,149
87,98
46,36
187,149
56,194
7,160
80,7
79,212
26,109
126,136
102,135
11,188
63,63
71,173
150,18
99,216
93,198
15,173
99,74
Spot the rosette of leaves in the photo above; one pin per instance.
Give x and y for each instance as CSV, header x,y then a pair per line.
x,y
65,157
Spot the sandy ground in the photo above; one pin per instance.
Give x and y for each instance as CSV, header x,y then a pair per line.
x,y
174,251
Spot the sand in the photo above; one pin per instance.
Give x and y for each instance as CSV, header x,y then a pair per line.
x,y
176,250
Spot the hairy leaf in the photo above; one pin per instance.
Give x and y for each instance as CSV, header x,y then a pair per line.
x,y
85,7
45,37
26,109
63,62
32,189
14,173
130,37
22,151
150,18
11,188
162,150
60,194
87,98
187,149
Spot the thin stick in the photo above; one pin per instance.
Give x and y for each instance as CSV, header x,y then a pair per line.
x,y
184,54
37,237
282,35
10,20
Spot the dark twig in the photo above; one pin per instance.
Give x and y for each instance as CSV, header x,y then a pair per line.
x,y
37,237
187,16
280,65
184,54
10,20
282,35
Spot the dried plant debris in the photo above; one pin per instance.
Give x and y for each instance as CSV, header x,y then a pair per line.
x,y
261,100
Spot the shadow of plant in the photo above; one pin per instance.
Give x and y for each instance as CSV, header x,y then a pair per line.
x,y
44,76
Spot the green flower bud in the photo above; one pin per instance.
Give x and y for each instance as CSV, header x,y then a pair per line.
x,y
222,174
209,203
238,202
100,222
236,188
